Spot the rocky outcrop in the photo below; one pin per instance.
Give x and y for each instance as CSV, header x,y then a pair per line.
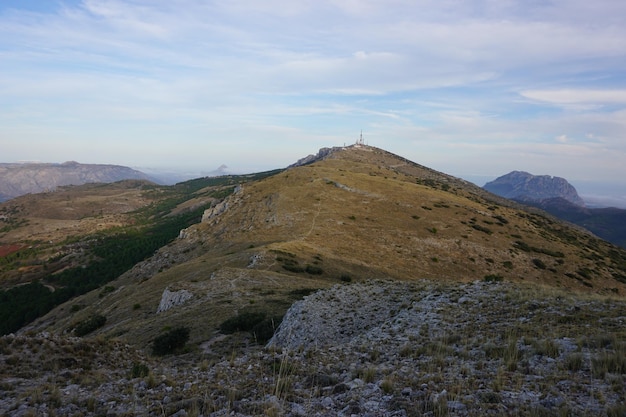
x,y
214,211
525,187
171,299
321,154
221,207
369,349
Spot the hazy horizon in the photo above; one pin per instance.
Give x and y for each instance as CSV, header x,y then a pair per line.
x,y
470,88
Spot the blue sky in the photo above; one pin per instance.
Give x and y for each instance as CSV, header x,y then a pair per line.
x,y
474,88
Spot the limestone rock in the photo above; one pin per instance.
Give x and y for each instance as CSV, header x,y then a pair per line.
x,y
171,299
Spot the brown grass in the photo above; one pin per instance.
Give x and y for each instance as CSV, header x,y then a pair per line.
x,y
361,213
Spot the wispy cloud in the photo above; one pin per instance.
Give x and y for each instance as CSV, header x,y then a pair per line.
x,y
425,78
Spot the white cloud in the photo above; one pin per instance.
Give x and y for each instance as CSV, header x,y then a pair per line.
x,y
578,96
452,78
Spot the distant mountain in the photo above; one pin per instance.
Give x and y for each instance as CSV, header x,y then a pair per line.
x,y
559,198
17,179
525,187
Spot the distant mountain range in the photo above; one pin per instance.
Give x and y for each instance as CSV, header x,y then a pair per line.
x,y
17,179
559,198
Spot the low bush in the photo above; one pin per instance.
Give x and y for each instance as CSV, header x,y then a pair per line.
x,y
264,330
482,229
293,268
139,370
170,341
493,278
314,270
258,324
242,322
89,325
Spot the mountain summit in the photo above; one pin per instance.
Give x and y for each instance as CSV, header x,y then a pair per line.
x,y
522,186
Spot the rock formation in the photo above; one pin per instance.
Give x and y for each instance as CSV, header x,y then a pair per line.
x,y
171,299
525,187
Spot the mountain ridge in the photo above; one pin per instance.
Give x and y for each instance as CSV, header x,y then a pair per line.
x,y
33,177
391,289
358,213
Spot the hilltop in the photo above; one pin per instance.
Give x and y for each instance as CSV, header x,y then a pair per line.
x,y
381,248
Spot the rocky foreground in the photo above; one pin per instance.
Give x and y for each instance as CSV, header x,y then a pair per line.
x,y
366,349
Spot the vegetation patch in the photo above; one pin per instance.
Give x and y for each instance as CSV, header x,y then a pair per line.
x,y
539,263
313,270
493,278
90,324
171,341
139,370
519,244
242,322
257,323
482,229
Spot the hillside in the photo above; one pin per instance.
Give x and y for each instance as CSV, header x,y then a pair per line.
x,y
359,213
415,267
57,245
17,179
609,223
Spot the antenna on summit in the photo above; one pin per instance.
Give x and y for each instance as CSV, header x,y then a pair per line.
x,y
360,141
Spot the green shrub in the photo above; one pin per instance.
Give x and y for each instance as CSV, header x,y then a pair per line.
x,y
139,370
303,292
89,325
501,219
242,322
264,330
293,268
106,290
492,278
539,263
345,278
482,229
170,341
314,270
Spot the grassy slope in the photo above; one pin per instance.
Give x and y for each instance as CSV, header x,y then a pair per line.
x,y
361,213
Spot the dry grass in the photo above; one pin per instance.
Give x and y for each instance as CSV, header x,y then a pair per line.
x,y
362,213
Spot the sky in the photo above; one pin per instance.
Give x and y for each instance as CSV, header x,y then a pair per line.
x,y
473,88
